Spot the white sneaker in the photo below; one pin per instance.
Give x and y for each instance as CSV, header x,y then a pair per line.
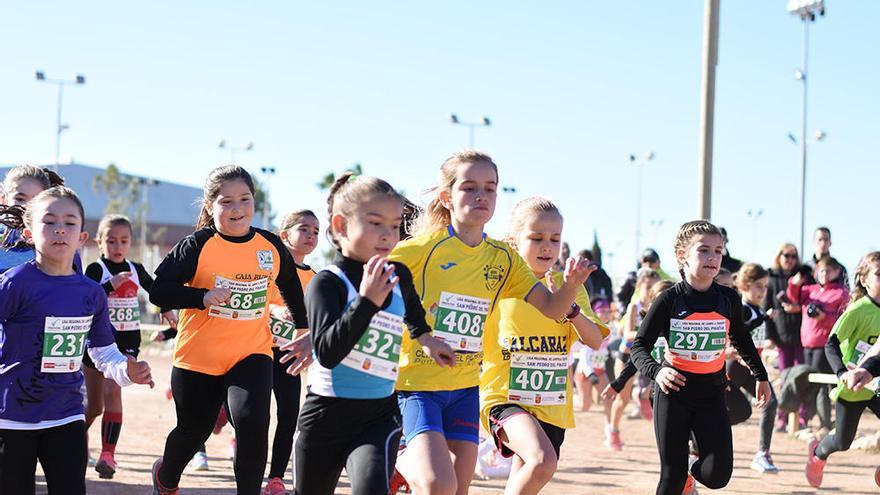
x,y
199,461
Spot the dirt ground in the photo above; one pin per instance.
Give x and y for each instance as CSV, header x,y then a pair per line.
x,y
586,467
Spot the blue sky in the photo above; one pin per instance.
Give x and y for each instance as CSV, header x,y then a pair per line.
x,y
572,89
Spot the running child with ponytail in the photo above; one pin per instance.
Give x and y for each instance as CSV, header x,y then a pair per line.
x,y
50,316
698,318
460,275
357,307
525,396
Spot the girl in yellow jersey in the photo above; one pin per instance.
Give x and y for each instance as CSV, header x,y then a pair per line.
x,y
460,274
525,394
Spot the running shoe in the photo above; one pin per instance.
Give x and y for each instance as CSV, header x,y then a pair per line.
x,y
645,409
614,442
158,489
106,466
92,461
221,421
877,476
399,484
199,461
690,486
815,466
275,486
763,463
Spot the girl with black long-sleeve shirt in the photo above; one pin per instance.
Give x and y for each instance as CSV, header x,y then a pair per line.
x,y
697,317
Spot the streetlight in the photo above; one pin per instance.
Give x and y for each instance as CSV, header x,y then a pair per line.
x,y
145,183
59,127
640,165
806,10
453,119
232,149
818,136
509,191
268,172
755,215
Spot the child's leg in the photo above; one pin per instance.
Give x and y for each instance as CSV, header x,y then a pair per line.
x,y
370,464
672,428
711,427
622,399
287,391
461,427
94,393
520,432
63,456
426,463
248,397
18,461
848,416
464,462
111,422
584,390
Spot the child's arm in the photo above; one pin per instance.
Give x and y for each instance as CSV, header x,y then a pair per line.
x,y
741,338
124,370
626,373
414,317
629,324
655,323
558,304
169,289
290,287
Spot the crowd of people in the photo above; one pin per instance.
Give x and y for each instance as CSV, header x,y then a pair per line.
x,y
426,343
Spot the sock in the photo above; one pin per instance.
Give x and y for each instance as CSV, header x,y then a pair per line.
x,y
111,425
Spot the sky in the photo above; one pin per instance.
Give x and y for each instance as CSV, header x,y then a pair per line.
x,y
572,89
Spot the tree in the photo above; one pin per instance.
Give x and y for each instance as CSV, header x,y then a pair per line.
x,y
596,250
123,191
330,178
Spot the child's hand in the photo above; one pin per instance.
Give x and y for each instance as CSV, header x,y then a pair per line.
x,y
158,336
119,279
300,353
608,393
437,350
797,279
216,296
669,379
139,372
378,280
771,312
857,379
169,317
577,271
762,394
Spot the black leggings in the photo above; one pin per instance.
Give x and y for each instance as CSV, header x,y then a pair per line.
x,y
287,390
819,401
740,407
360,435
848,415
246,391
698,407
60,450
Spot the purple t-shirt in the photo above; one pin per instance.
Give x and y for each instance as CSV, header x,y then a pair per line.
x,y
27,298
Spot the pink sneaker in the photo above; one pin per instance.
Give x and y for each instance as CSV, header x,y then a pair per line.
x,y
645,409
614,442
275,486
106,466
690,486
815,466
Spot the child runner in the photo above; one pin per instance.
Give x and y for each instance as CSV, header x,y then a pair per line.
x,y
821,304
525,395
299,232
460,274
120,279
853,335
589,373
697,317
751,280
219,277
357,307
49,314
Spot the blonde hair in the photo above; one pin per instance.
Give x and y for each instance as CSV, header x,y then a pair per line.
x,y
748,274
524,210
787,245
46,177
110,221
859,289
294,218
687,231
655,291
349,192
436,216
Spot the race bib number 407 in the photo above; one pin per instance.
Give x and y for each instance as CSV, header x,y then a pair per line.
x,y
64,342
248,301
538,379
459,321
697,340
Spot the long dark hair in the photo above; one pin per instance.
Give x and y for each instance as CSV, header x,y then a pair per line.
x,y
215,181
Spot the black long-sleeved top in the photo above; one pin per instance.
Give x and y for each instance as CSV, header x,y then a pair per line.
x,y
834,355
657,322
784,328
95,272
335,329
872,364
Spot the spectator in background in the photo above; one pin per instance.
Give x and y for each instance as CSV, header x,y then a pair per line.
x,y
599,284
649,259
564,254
822,248
729,261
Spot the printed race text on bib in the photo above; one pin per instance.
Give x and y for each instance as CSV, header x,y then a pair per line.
x,y
282,329
125,313
697,340
861,348
459,321
598,358
378,351
248,301
537,379
64,342
759,334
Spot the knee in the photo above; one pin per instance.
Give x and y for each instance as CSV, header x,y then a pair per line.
x,y
542,464
92,413
717,480
431,484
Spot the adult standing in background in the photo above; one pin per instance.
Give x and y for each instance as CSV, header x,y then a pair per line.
x,y
599,284
821,249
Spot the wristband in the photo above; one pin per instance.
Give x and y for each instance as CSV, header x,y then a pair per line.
x,y
573,312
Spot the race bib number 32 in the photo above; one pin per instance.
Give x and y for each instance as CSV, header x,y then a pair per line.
x,y
378,351
64,342
538,379
248,301
697,340
459,321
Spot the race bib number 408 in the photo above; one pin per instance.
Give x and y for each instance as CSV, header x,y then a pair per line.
x,y
538,379
248,301
378,351
459,321
64,342
697,340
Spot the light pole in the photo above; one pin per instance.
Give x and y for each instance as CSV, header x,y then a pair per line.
x,y
806,10
755,215
59,127
268,172
509,191
817,137
145,183
233,149
640,165
453,119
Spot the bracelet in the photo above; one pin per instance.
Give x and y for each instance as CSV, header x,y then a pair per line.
x,y
573,312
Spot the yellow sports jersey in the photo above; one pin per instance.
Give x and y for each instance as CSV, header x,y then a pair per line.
x,y
526,360
459,286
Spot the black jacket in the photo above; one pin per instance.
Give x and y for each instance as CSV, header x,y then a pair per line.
x,y
784,328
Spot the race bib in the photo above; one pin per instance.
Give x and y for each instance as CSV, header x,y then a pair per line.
x,y
598,358
537,379
64,342
861,348
659,349
283,330
459,321
125,313
697,340
378,351
759,335
248,301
